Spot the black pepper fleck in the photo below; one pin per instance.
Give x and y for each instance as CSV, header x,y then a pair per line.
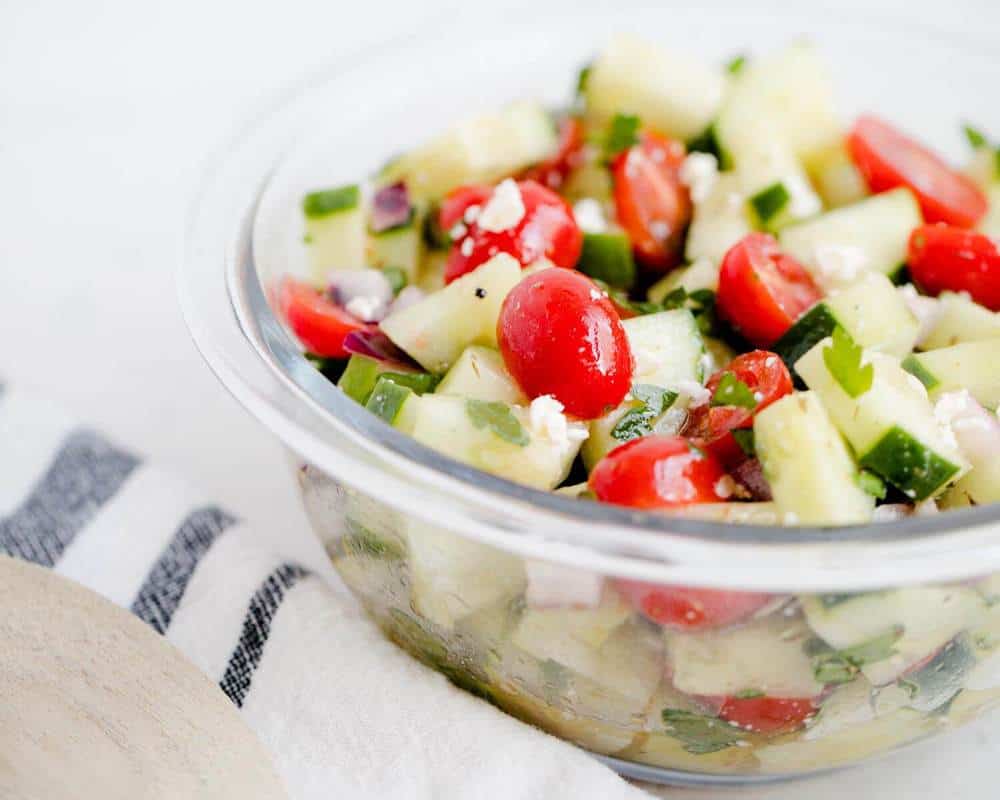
x,y
480,293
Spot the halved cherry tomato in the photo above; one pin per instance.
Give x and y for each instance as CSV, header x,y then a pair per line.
x,y
658,471
768,714
547,229
944,258
889,158
319,323
688,607
553,171
710,426
560,335
652,204
762,291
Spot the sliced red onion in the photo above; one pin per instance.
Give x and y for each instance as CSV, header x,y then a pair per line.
x,y
366,293
976,430
391,207
410,295
375,344
750,475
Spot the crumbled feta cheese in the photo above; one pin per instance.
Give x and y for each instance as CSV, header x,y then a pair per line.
x,y
837,267
546,418
950,407
368,308
471,214
659,230
694,390
589,216
803,200
725,487
467,246
927,508
699,173
557,586
890,512
504,209
458,231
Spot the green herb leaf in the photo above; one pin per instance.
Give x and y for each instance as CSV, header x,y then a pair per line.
x,y
745,439
843,360
731,391
498,418
840,666
621,298
699,734
700,302
872,484
769,202
748,694
735,65
582,76
397,278
638,421
975,137
623,132
330,201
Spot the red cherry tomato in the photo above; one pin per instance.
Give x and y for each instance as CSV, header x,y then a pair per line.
x,y
319,323
652,204
766,376
553,171
690,608
767,714
889,158
560,335
657,472
762,291
547,229
943,258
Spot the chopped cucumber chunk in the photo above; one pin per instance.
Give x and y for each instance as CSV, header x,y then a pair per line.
x,y
362,373
972,365
667,347
836,178
336,232
891,426
812,476
960,320
872,234
671,94
480,373
437,329
387,399
719,222
398,248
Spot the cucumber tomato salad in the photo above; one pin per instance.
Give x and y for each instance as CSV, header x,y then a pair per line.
x,y
699,290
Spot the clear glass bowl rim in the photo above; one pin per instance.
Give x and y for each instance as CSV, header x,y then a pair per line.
x,y
233,327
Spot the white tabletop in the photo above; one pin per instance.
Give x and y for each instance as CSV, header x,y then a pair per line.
x,y
106,112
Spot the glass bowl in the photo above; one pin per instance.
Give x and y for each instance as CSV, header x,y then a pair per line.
x,y
838,644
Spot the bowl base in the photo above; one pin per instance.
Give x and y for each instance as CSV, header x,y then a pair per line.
x,y
676,777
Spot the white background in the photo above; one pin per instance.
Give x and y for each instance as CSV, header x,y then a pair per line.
x,y
107,110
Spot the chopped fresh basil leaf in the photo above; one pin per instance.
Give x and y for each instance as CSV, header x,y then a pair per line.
x,y
623,132
498,418
843,358
840,666
638,421
621,298
735,65
699,734
974,137
582,76
872,484
700,302
397,278
731,391
769,202
745,439
330,201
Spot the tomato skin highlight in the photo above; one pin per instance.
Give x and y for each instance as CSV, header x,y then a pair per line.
x,y
548,229
710,427
945,258
768,714
762,291
657,471
690,608
553,171
652,204
318,323
560,335
888,159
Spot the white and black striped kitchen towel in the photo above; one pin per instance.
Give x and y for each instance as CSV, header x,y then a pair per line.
x,y
344,713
